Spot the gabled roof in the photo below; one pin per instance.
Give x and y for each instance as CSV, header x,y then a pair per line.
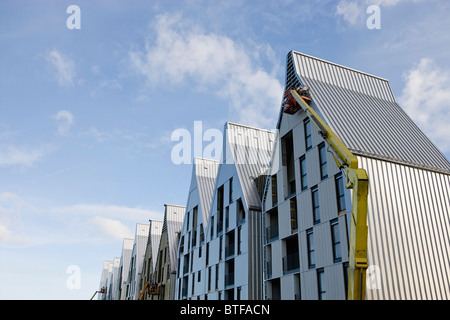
x,y
127,247
154,236
173,222
361,109
204,173
249,149
140,242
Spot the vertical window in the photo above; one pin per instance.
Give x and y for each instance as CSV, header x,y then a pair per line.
x,y
340,198
227,217
202,234
288,166
220,210
220,247
336,241
188,227
182,245
345,266
207,254
230,190
323,161
303,179
217,277
293,205
194,217
240,212
307,127
310,244
212,227
274,190
209,278
315,204
321,283
239,240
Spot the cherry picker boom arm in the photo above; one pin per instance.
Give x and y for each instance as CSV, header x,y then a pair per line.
x,y
358,181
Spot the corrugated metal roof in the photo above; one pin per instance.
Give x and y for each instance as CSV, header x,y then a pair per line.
x,y
205,173
107,265
154,238
249,149
361,110
173,222
340,76
127,248
140,244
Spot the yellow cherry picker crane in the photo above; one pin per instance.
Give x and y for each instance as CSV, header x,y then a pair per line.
x,y
299,98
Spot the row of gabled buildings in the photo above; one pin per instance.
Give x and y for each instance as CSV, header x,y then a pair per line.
x,y
271,219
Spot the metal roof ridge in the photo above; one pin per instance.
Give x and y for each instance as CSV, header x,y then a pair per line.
x,y
174,205
207,159
339,65
247,126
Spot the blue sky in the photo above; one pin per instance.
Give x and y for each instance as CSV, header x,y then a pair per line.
x,y
86,115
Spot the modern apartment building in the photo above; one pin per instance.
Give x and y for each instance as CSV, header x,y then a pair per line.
x,y
191,252
166,261
307,208
271,219
136,261
226,265
104,280
151,254
112,279
120,290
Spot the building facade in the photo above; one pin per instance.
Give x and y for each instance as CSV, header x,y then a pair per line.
x,y
307,208
136,261
166,261
104,280
190,255
127,247
228,262
151,254
271,220
112,279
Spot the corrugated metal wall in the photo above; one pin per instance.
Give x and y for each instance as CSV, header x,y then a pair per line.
x,y
409,225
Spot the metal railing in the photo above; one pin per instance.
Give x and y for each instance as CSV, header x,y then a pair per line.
x,y
272,233
291,262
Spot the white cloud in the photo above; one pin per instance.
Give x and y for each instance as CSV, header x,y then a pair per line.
x,y
386,3
109,221
66,224
353,11
111,228
183,53
65,121
108,211
11,206
426,97
349,10
64,67
11,155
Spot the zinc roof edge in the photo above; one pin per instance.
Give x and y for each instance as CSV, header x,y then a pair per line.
x,y
399,161
339,65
